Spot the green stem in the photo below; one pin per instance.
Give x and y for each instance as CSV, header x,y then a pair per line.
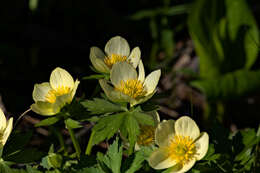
x,y
60,138
89,147
74,141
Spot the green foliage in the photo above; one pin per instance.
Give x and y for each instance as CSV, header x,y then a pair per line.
x,y
225,39
48,121
230,85
73,124
127,122
101,106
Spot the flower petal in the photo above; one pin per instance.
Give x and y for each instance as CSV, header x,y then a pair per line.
x,y
2,120
97,59
142,100
164,132
117,45
141,72
61,101
151,81
186,167
203,144
74,88
186,126
112,94
40,91
43,108
7,131
60,77
135,56
122,71
160,159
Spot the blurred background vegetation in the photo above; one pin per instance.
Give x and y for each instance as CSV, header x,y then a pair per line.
x,y
207,50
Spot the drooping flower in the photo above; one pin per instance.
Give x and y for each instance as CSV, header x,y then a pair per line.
x,y
180,145
51,96
5,128
128,85
116,50
147,132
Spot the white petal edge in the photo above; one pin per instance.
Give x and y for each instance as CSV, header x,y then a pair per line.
x,y
8,130
141,72
203,144
186,126
160,159
97,59
135,56
76,84
60,77
151,81
117,45
122,71
164,132
40,91
2,120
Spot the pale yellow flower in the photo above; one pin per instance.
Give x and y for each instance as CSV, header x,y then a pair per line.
x,y
147,132
130,86
180,145
51,96
5,128
116,50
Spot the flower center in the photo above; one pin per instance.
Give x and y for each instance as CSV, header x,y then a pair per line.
x,y
182,149
52,94
132,87
114,58
146,136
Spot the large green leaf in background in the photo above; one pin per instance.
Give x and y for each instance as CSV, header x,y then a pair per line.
x,y
225,35
231,85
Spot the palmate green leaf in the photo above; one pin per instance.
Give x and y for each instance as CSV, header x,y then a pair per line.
x,y
130,129
143,118
30,169
137,162
107,127
113,158
229,86
101,106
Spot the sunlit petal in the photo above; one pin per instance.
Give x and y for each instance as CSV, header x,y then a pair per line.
x,y
202,144
40,91
164,132
152,80
186,126
117,45
160,159
135,56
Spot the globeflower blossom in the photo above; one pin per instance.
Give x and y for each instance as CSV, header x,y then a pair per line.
x,y
51,96
180,145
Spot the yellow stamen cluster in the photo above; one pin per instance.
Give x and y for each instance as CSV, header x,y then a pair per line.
x,y
52,94
182,149
132,87
114,58
146,136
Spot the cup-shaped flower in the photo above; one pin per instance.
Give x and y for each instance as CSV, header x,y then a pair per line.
x,y
128,85
116,50
5,128
180,145
51,96
147,132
